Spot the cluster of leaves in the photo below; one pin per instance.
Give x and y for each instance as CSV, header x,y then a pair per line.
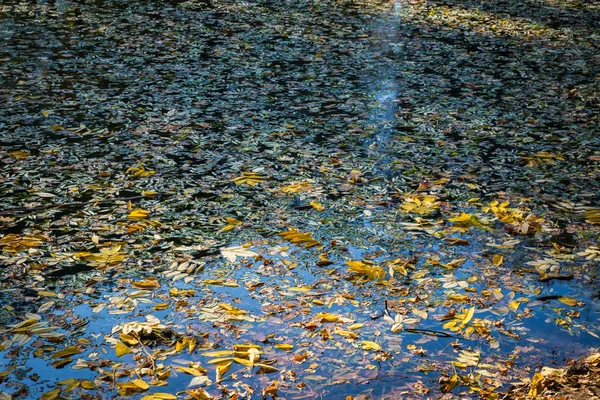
x,y
250,199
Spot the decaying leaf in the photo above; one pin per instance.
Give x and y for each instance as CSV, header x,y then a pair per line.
x,y
299,238
366,269
232,253
248,178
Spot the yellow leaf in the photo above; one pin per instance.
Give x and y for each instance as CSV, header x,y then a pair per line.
x,y
159,396
191,371
199,394
231,224
366,269
536,384
220,361
497,260
140,384
219,353
138,214
222,369
368,345
450,384
122,349
568,301
248,178
356,326
299,238
317,206
468,316
246,347
327,317
346,334
69,351
51,395
283,346
148,283
149,193
513,305
296,187
140,171
19,154
88,385
302,289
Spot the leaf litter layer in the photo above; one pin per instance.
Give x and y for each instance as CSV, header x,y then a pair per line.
x,y
305,199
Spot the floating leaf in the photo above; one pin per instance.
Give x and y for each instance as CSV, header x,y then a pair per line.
x,y
366,269
248,178
368,345
69,351
568,301
317,206
299,238
159,396
138,214
497,260
231,253
232,223
139,171
148,284
140,384
122,349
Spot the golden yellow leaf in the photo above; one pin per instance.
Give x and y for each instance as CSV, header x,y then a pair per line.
x,y
140,171
366,269
199,394
369,345
317,206
222,369
69,351
302,289
296,187
536,384
149,193
148,283
568,301
468,316
248,178
159,396
299,238
128,339
51,395
497,260
88,385
191,371
356,326
138,214
347,334
140,384
450,384
19,154
327,317
122,349
284,346
231,224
